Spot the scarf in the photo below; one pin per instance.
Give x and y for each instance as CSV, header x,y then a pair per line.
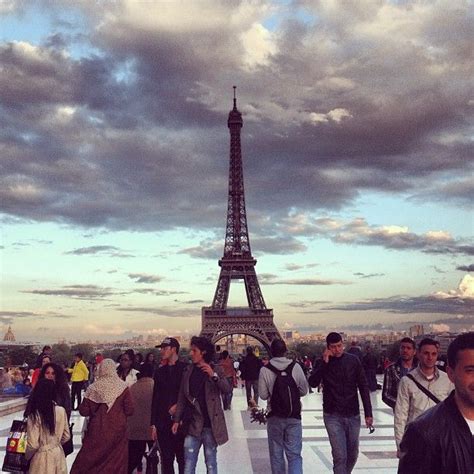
x,y
108,386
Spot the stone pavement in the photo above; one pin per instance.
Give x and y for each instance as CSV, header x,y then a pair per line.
x,y
247,450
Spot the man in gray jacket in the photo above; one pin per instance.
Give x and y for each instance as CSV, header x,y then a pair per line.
x,y
284,430
199,403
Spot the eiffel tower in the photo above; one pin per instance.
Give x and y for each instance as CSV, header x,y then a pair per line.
x,y
237,263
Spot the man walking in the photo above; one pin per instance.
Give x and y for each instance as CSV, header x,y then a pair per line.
x,y
342,375
369,362
165,396
394,372
80,374
200,407
249,372
421,389
440,440
282,382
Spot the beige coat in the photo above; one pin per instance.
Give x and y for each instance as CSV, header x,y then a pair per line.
x,y
139,424
43,448
412,402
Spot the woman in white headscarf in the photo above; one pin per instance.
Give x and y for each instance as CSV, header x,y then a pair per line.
x,y
107,403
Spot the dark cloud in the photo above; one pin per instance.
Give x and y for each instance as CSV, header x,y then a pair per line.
x,y
277,245
165,311
82,292
466,268
406,305
134,136
193,302
9,317
307,304
306,282
294,267
369,275
210,250
100,249
281,245
359,232
152,291
145,278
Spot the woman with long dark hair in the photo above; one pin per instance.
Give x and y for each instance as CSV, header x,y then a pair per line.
x,y
150,360
47,429
55,372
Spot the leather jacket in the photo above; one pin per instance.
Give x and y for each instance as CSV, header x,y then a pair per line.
x,y
438,442
341,378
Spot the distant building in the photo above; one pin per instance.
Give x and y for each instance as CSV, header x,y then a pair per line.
x,y
416,331
9,336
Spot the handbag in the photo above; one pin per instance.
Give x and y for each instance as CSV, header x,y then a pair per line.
x,y
68,446
15,456
152,459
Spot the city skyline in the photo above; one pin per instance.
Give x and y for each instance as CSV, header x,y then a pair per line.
x,y
357,155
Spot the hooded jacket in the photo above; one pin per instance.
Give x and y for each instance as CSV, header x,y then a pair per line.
x,y
266,379
438,442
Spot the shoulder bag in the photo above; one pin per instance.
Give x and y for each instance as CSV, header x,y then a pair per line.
x,y
424,389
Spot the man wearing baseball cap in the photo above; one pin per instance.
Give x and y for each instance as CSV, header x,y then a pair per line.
x,y
165,395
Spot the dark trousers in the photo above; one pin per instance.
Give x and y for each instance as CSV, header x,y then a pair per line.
x,y
76,392
136,450
249,385
171,447
370,374
227,397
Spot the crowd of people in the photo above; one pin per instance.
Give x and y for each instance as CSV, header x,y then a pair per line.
x,y
136,404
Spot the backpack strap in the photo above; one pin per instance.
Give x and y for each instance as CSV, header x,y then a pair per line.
x,y
424,389
288,368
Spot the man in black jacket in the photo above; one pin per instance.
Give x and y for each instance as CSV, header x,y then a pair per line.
x,y
165,396
441,440
249,371
342,374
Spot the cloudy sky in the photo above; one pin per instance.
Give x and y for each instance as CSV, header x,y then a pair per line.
x,y
357,148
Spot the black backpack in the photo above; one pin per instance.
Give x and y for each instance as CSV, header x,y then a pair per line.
x,y
285,400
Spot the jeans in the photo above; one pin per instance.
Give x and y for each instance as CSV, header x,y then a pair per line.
x,y
249,385
227,397
343,432
285,435
192,445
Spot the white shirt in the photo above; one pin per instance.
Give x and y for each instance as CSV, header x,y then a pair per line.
x,y
470,423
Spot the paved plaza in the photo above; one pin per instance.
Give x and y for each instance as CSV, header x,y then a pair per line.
x,y
247,450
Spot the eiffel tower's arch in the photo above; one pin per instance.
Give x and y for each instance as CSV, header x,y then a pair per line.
x,y
261,338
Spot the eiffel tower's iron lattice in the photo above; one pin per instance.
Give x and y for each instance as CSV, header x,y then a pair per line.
x,y
237,263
